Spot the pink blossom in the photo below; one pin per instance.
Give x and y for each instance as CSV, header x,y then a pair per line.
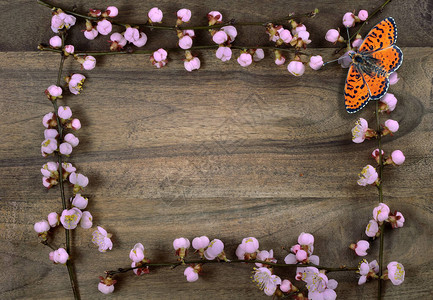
x,y
119,39
102,239
79,201
396,272
62,20
78,180
368,175
397,157
286,286
363,15
357,42
375,154
104,27
301,255
68,168
391,125
86,220
184,15
49,120
280,61
53,219
141,41
231,32
137,253
75,124
199,243
193,64
359,131
70,218
155,15
48,146
332,35
318,284
396,220
245,59
71,139
372,228
91,34
69,49
181,243
65,148
259,54
56,42
349,19
42,226
112,11
214,250
160,55
131,34
191,274
290,259
50,169
285,35
59,256
64,112
381,212
220,37
266,280
297,68
89,62
316,62
214,17
185,42
189,32
265,255
306,239
53,91
75,83
105,289
250,244
224,53
393,78
361,247
50,133
388,103
304,36
367,270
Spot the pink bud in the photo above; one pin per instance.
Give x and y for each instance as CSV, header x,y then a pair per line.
x,y
79,201
224,53
54,91
245,59
200,242
184,15
304,36
286,286
131,34
301,255
393,78
141,41
56,42
89,62
297,68
280,61
53,219
185,42
193,64
306,239
50,133
41,226
105,289
155,15
60,256
91,34
86,221
191,274
75,124
113,11
348,19
71,139
332,35
189,32
230,31
215,15
392,125
259,54
220,37
316,62
381,212
64,112
361,248
69,49
372,228
104,27
118,37
160,55
363,15
397,157
65,148
285,36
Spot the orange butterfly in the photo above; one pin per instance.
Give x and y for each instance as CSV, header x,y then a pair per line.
x,y
376,59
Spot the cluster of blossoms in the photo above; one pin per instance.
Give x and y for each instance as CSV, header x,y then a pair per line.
x,y
349,20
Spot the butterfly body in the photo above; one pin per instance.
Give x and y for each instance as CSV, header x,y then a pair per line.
x,y
376,59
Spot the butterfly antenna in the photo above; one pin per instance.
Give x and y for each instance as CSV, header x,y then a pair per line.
x,y
328,62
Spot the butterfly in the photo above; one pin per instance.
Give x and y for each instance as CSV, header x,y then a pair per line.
x,y
376,59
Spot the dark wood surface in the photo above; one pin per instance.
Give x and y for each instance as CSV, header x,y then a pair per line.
x,y
227,152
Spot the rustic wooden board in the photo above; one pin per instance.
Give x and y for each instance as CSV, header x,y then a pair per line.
x,y
228,152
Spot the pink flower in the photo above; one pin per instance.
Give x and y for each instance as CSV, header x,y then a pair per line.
x,y
78,180
59,256
112,11
91,34
220,37
102,239
70,218
214,17
265,255
50,133
397,157
48,146
65,148
304,36
231,32
396,272
53,92
393,78
75,124
280,61
189,32
62,20
75,83
71,139
259,54
118,41
185,42
372,228
64,112
106,288
301,255
286,286
137,253
200,243
357,42
297,68
69,49
214,250
86,220
250,245
159,58
141,41
299,28
193,64
104,27
79,201
306,239
155,15
191,274
53,219
184,15
368,176
224,53
360,247
266,280
349,19
332,35
381,212
131,34
68,168
290,259
391,125
42,226
56,42
375,154
367,270
316,62
181,246
363,15
318,284
396,220
387,103
285,35
245,59
89,62
50,168
359,131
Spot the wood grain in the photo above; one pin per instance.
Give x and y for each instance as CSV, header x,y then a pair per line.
x,y
226,151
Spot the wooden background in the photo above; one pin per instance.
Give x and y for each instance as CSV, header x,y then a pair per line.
x,y
225,151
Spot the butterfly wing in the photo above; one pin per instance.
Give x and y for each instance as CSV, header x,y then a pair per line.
x,y
376,84
356,93
381,36
389,59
